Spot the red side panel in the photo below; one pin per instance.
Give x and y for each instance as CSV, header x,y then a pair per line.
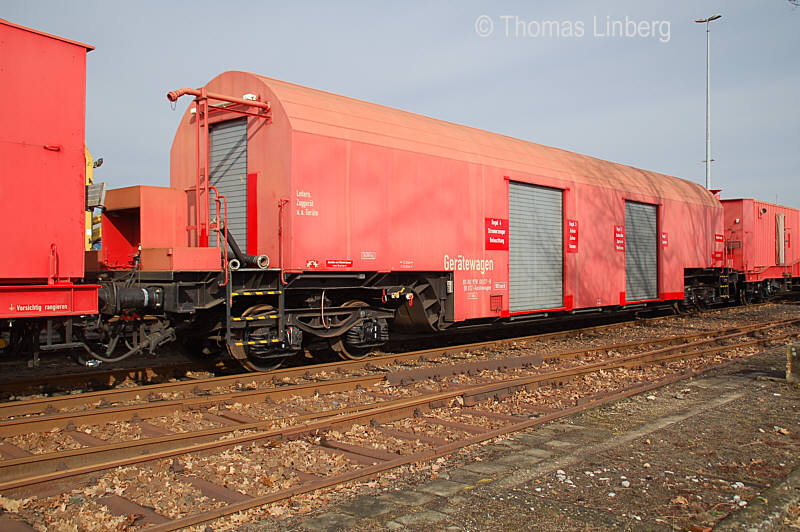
x,y
181,259
153,217
42,176
40,301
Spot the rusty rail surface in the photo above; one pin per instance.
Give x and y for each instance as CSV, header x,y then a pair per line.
x,y
114,376
40,410
274,375
106,413
106,378
443,450
28,471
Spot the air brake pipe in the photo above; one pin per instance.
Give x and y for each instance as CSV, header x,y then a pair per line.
x,y
174,95
259,261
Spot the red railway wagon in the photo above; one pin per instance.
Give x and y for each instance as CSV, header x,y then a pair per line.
x,y
371,188
760,241
374,217
42,178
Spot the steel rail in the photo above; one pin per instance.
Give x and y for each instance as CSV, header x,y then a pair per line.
x,y
16,467
30,406
395,409
109,377
375,470
157,408
299,371
50,404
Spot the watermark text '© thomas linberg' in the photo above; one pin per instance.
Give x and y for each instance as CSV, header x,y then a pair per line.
x,y
515,27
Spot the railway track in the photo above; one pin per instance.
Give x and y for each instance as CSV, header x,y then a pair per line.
x,y
108,378
418,391
107,405
105,378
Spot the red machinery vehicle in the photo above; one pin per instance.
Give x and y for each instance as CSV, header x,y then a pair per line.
x,y
759,245
301,220
42,181
375,218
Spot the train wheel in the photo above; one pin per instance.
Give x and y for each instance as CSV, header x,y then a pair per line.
x,y
346,350
256,357
744,297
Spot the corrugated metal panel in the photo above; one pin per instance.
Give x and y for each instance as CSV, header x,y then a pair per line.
x,y
536,247
228,172
641,251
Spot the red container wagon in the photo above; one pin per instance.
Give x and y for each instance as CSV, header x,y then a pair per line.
x,y
359,206
42,177
761,244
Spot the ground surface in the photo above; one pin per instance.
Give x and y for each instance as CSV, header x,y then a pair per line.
x,y
683,457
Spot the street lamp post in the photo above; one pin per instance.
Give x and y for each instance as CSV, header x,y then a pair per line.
x,y
707,21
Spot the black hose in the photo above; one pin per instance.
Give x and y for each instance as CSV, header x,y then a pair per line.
x,y
259,261
151,342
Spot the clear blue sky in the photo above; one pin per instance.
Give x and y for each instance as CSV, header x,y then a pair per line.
x,y
635,100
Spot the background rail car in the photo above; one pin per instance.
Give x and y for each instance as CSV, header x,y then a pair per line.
x,y
758,245
298,219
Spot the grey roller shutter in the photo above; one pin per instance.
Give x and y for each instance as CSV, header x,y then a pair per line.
x,y
641,252
780,239
535,247
228,172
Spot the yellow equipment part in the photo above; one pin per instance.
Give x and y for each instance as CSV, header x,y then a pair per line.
x,y
88,236
97,228
97,232
89,166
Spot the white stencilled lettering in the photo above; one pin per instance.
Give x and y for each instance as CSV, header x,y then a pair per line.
x,y
462,263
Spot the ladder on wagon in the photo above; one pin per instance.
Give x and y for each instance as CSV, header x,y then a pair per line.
x,y
254,314
254,321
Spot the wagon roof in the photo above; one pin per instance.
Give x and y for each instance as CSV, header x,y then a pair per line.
x,y
324,113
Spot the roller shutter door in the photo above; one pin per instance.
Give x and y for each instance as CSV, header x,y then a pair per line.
x,y
228,172
641,252
536,247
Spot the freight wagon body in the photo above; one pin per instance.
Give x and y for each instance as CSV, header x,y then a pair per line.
x,y
761,240
42,178
333,185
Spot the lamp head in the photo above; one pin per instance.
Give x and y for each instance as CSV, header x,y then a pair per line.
x,y
708,19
